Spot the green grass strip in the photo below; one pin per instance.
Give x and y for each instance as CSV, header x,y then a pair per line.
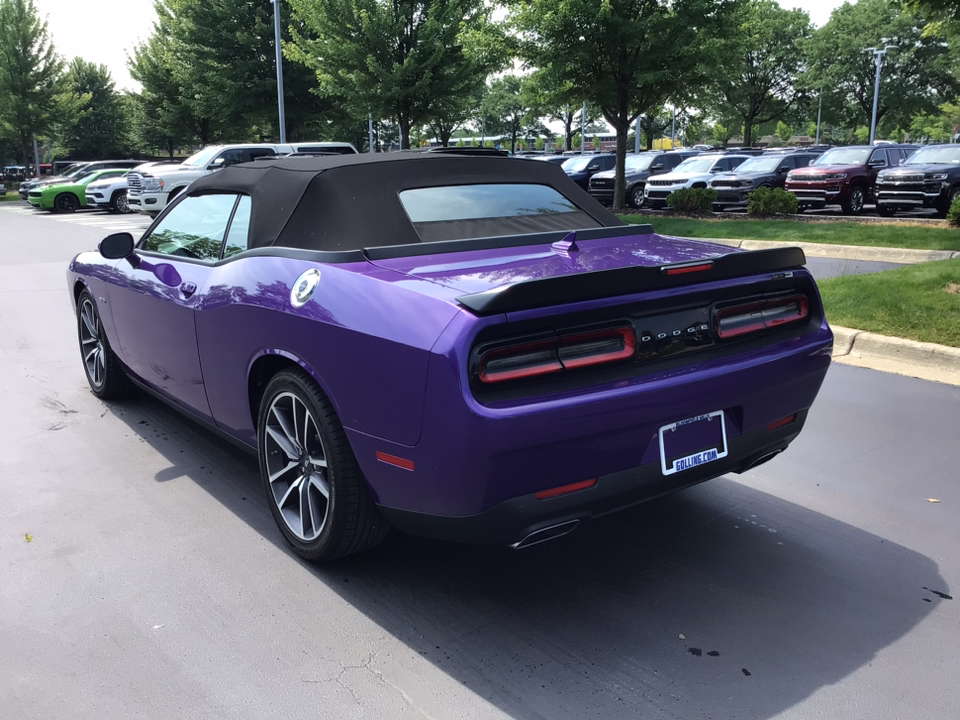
x,y
917,302
919,237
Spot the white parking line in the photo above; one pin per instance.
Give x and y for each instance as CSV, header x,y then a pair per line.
x,y
132,223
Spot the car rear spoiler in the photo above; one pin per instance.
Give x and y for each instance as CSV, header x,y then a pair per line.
x,y
629,280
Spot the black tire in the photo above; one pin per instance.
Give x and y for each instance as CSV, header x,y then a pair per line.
x,y
636,196
105,376
855,201
886,210
118,203
319,461
65,203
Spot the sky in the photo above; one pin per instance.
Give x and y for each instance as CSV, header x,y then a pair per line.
x,y
106,31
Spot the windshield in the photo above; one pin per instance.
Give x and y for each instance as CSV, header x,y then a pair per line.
x,y
696,165
843,156
638,163
760,165
576,164
935,155
202,158
72,171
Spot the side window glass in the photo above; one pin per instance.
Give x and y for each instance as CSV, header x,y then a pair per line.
x,y
788,163
253,153
878,156
803,160
231,157
239,232
893,156
193,229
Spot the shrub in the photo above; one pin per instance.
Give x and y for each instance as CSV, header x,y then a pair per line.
x,y
767,202
953,214
692,200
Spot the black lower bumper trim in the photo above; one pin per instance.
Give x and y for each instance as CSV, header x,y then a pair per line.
x,y
512,520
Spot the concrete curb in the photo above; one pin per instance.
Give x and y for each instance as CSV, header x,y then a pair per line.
x,y
902,256
889,354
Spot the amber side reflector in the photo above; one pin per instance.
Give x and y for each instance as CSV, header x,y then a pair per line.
x,y
394,460
781,422
684,269
564,489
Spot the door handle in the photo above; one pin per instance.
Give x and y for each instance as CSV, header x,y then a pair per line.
x,y
188,289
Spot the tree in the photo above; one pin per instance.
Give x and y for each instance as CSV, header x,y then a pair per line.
x,y
625,56
101,128
722,134
510,109
396,59
760,84
944,15
784,131
917,73
31,76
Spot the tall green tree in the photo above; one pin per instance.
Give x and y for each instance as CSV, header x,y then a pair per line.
x,y
918,73
396,58
101,128
626,56
31,76
759,84
943,15
510,108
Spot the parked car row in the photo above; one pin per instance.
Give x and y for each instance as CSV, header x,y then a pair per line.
x,y
131,185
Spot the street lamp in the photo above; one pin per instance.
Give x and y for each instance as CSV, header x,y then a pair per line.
x,y
878,58
276,34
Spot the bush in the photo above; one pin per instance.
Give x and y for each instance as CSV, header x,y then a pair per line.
x,y
692,200
767,202
953,214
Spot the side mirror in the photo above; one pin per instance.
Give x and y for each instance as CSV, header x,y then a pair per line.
x,y
116,246
878,162
902,161
593,168
783,169
217,164
658,166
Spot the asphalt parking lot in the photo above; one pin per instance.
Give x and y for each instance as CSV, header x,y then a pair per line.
x,y
141,574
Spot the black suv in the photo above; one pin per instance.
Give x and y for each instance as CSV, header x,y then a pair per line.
x,y
638,168
767,170
581,168
81,168
928,178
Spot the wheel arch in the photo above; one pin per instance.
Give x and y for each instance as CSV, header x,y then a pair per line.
x,y
267,364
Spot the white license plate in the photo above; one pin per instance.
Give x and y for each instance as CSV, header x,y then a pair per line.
x,y
690,443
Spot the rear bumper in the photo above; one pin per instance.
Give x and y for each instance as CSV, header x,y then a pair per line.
x,y
513,520
476,468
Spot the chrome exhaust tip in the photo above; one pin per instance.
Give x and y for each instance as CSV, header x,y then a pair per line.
x,y
547,533
761,460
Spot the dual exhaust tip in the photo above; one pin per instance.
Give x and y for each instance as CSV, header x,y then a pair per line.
x,y
548,533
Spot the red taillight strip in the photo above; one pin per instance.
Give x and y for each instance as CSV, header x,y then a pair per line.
x,y
629,347
684,269
394,460
760,315
564,489
552,349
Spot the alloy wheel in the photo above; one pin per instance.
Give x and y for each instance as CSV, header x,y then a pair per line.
x,y
121,203
91,343
296,466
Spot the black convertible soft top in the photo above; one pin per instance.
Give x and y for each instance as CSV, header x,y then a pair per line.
x,y
348,202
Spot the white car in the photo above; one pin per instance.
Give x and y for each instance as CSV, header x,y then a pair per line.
x,y
691,173
110,193
149,192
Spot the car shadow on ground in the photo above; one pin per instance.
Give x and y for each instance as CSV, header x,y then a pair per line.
x,y
719,601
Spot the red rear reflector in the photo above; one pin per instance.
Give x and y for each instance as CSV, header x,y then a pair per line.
x,y
394,460
781,422
762,315
684,269
564,489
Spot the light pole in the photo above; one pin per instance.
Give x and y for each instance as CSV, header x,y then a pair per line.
x,y
878,58
276,35
819,113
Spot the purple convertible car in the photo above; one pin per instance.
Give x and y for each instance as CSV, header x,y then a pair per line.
x,y
469,348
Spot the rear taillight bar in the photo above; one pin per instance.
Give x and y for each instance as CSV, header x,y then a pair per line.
x,y
760,315
566,352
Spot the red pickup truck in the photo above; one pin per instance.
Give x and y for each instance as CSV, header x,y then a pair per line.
x,y
844,176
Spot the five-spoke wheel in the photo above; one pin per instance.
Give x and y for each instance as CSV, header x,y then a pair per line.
x,y
104,374
315,489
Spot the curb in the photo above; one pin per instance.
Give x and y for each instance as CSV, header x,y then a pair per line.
x,y
928,361
903,256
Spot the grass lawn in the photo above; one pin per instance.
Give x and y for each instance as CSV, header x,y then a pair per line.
x,y
900,236
9,196
917,302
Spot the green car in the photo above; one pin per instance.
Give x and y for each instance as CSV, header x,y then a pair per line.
x,y
70,195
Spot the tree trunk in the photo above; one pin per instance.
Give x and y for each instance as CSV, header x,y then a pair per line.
x,y
404,132
747,133
568,130
622,126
